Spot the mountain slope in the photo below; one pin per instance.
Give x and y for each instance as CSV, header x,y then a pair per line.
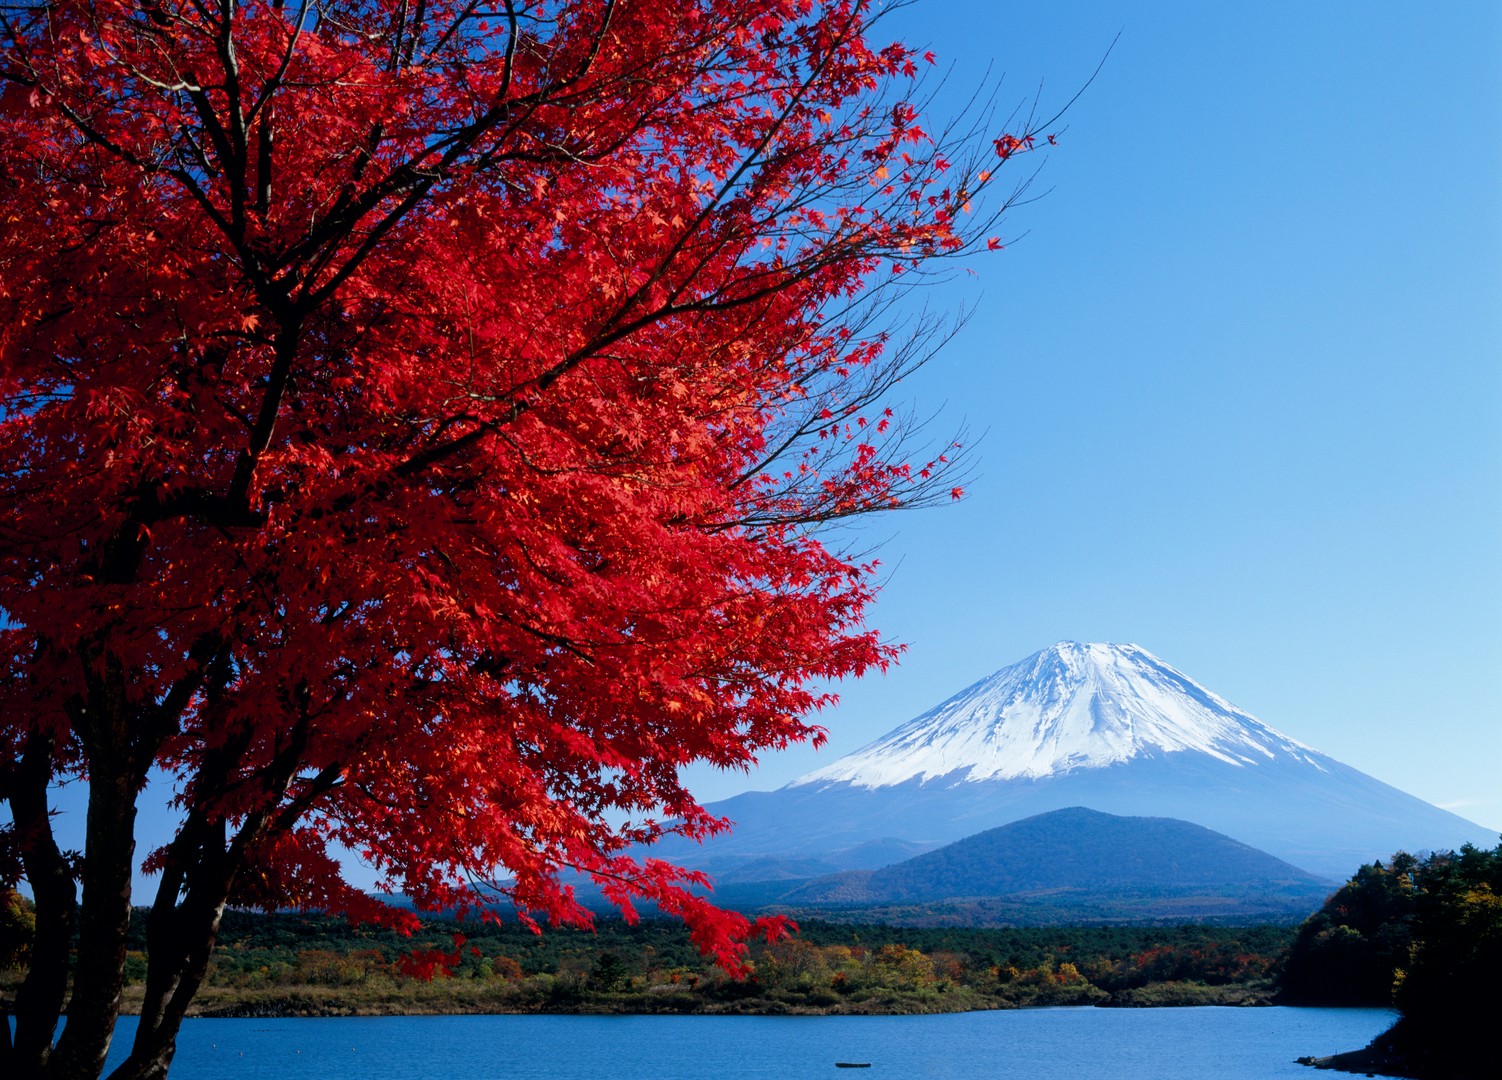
x,y
1077,849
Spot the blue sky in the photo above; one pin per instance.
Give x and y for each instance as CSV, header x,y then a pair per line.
x,y
1241,380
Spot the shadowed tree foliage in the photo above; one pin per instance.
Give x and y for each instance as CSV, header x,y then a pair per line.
x,y
1347,952
1448,992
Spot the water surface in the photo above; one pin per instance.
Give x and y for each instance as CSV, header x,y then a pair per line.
x,y
1038,1044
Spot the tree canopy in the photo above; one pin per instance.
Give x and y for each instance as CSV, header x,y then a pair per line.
x,y
416,420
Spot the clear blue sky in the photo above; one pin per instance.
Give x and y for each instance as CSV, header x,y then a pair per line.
x,y
1242,380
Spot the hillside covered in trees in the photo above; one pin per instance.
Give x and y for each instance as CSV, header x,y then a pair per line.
x,y
1423,934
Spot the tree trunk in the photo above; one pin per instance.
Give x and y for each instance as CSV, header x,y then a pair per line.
x,y
105,921
196,933
179,941
39,1000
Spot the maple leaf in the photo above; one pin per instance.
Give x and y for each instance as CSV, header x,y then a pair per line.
x,y
1006,146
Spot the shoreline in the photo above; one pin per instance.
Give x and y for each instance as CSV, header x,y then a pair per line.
x,y
312,1002
1368,1061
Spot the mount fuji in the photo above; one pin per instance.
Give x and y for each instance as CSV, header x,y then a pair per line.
x,y
1108,727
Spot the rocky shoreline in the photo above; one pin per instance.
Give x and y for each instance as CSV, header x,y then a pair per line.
x,y
1369,1061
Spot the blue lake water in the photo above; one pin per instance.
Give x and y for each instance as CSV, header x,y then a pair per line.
x,y
1038,1044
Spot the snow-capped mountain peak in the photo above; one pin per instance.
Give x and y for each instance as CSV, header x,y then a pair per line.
x,y
1072,706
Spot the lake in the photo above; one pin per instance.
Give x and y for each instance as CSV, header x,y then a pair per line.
x,y
1038,1044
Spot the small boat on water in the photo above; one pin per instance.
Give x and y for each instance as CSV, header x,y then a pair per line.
x,y
852,1064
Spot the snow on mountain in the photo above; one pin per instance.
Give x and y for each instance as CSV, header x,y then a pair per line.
x,y
1074,705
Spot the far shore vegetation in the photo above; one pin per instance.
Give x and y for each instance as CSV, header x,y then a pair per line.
x,y
316,965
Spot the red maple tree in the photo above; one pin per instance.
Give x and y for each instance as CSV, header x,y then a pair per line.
x,y
416,416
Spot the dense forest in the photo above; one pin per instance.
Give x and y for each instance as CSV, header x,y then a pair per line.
x,y
302,964
1423,934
